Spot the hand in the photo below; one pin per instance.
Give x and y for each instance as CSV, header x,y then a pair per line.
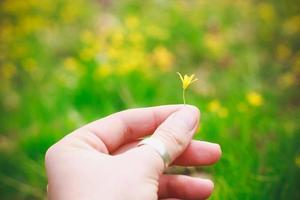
x,y
101,160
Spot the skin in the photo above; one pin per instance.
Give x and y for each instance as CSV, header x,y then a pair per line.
x,y
101,160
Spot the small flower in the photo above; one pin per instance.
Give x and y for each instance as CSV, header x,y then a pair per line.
x,y
255,99
186,82
297,161
215,107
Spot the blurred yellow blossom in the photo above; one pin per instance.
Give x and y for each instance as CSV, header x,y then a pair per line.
x,y
136,39
102,71
157,32
286,80
87,37
283,52
266,12
7,71
117,38
70,13
11,100
292,25
30,66
88,54
254,98
132,22
71,64
296,64
113,52
297,161
215,107
163,58
214,43
32,24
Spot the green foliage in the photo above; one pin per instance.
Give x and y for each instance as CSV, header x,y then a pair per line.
x,y
64,63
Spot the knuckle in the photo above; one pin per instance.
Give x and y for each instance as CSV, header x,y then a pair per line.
x,y
175,136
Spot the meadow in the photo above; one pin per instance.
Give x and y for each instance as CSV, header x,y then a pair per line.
x,y
64,63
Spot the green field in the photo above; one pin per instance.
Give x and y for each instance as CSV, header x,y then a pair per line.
x,y
64,63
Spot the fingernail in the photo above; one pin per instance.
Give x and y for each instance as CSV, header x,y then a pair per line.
x,y
188,115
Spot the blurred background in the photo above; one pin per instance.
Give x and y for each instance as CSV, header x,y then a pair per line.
x,y
64,63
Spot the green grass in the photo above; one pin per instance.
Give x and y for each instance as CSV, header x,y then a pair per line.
x,y
64,63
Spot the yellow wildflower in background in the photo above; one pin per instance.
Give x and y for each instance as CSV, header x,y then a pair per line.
x,y
214,43
7,71
30,65
287,79
163,58
254,99
117,38
70,64
102,71
136,39
132,22
296,64
266,12
297,161
292,25
283,52
87,37
186,82
215,107
157,32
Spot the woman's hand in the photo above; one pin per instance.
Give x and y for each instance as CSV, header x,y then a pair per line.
x,y
101,160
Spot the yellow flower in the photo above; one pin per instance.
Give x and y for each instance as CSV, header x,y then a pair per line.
x,y
297,161
102,71
266,12
7,71
132,22
214,106
291,26
288,79
255,99
214,43
163,58
187,80
283,52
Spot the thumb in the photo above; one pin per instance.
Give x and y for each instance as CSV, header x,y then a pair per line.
x,y
176,132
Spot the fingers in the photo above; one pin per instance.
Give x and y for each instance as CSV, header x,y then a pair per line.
x,y
129,125
175,133
197,153
184,187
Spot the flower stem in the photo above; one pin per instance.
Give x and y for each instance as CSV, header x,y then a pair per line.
x,y
183,96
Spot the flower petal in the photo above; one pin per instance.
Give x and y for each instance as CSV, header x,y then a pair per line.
x,y
180,76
